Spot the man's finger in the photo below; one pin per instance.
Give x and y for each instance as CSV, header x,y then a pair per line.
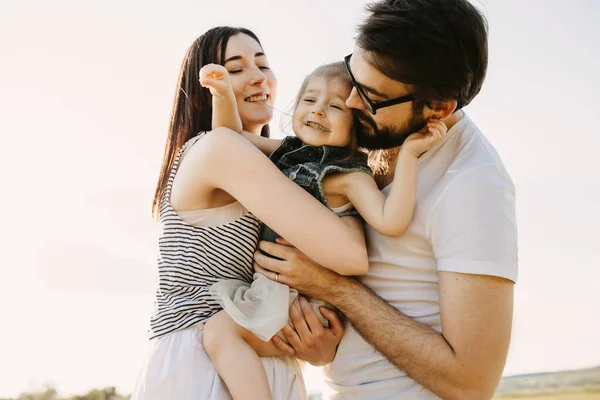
x,y
292,337
283,346
284,242
268,274
300,324
315,326
335,323
267,262
274,249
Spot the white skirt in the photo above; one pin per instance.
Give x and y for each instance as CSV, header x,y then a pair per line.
x,y
178,368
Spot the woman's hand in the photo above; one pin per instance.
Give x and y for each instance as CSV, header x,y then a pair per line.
x,y
423,140
216,78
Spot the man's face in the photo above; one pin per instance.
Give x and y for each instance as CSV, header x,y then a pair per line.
x,y
391,125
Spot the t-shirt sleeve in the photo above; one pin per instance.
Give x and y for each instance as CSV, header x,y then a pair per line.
x,y
473,225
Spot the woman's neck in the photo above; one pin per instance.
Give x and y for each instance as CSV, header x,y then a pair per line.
x,y
255,130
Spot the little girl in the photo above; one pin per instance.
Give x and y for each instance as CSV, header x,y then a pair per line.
x,y
324,159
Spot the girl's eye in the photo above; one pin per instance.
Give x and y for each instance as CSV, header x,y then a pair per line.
x,y
264,67
235,71
336,107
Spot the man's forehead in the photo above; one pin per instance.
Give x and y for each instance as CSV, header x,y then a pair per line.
x,y
367,75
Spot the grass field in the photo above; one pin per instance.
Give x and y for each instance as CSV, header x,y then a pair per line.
x,y
582,393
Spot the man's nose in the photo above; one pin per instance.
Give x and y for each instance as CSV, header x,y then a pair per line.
x,y
354,100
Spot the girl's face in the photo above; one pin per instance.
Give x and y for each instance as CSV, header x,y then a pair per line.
x,y
321,116
254,84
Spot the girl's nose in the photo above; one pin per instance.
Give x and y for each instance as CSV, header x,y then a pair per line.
x,y
318,110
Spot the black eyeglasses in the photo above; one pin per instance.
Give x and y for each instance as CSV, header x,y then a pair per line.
x,y
369,104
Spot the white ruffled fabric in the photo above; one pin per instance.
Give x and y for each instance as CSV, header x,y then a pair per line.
x,y
262,307
178,368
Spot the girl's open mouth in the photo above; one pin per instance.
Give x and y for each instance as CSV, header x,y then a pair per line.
x,y
316,126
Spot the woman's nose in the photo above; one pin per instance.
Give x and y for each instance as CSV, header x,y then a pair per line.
x,y
258,77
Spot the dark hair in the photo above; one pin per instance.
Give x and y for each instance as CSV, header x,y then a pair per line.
x,y
439,46
192,106
333,71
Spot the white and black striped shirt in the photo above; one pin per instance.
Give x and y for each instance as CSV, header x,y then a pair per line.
x,y
192,258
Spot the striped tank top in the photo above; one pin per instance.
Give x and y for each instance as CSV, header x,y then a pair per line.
x,y
192,258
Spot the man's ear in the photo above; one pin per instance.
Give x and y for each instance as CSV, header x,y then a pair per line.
x,y
441,109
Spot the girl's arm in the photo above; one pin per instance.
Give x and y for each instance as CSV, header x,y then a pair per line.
x,y
225,113
224,160
266,145
391,216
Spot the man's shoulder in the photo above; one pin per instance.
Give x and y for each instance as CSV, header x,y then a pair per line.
x,y
473,154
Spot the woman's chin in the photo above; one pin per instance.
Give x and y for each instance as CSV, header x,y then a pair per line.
x,y
257,118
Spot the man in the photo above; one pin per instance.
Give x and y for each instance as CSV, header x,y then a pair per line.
x,y
432,318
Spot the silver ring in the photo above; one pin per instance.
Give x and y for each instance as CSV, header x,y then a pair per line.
x,y
276,277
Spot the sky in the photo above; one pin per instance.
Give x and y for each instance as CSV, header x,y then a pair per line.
x,y
85,97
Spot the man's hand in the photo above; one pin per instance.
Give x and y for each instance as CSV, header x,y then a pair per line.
x,y
309,340
296,270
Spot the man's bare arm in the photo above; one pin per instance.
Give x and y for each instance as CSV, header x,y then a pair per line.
x,y
467,359
465,362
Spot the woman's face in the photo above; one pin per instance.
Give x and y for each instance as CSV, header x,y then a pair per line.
x,y
254,84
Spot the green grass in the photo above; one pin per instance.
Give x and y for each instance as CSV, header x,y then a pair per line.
x,y
580,393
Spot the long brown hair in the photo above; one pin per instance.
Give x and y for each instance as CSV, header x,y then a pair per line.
x,y
192,106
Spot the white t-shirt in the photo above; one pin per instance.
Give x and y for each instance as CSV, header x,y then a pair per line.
x,y
464,222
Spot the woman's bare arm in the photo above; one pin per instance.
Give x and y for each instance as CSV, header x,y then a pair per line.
x,y
224,160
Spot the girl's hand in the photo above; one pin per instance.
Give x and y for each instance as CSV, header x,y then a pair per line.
x,y
423,140
216,79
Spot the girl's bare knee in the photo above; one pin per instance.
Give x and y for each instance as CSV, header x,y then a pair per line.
x,y
215,332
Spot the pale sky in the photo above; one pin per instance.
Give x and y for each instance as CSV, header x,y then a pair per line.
x,y
85,96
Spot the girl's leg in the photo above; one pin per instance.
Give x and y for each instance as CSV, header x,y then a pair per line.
x,y
234,352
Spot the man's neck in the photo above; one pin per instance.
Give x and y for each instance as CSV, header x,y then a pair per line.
x,y
392,154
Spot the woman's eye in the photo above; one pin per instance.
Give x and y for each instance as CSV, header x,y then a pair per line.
x,y
308,100
264,67
235,71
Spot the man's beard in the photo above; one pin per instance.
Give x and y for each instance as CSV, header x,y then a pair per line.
x,y
372,137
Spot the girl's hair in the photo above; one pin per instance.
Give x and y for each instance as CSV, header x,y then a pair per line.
x,y
192,106
334,71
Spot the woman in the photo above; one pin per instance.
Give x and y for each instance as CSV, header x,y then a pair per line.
x,y
207,235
